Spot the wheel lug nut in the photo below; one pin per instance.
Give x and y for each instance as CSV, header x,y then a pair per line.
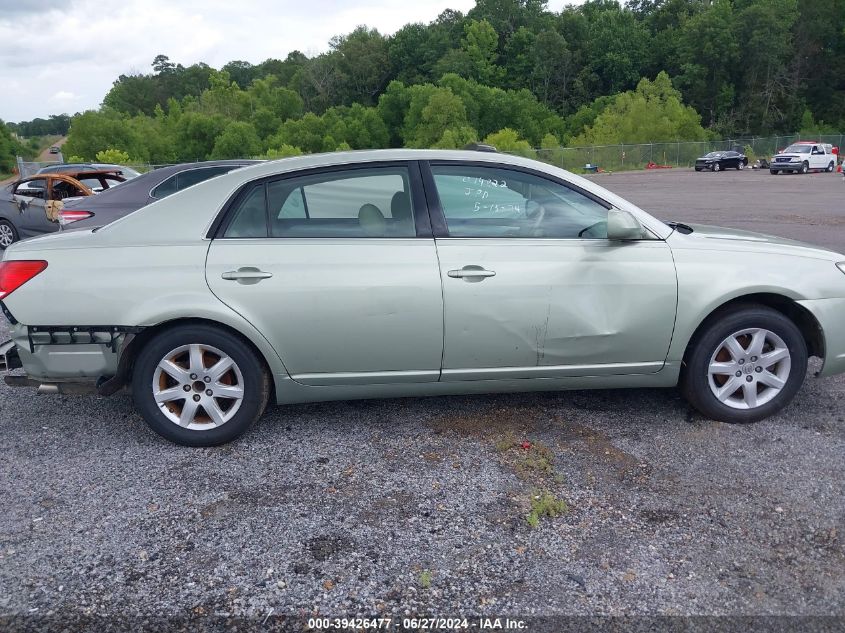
x,y
758,369
739,373
207,379
197,396
193,376
187,387
741,361
209,392
753,359
749,379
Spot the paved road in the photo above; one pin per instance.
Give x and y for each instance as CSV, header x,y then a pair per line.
x,y
808,208
45,156
419,506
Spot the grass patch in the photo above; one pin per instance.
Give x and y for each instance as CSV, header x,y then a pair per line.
x,y
544,504
425,579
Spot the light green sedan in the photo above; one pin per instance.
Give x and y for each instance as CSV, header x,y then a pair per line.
x,y
408,273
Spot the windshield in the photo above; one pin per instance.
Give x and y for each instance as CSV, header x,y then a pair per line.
x,y
798,149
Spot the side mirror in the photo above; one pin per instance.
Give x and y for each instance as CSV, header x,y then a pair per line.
x,y
622,225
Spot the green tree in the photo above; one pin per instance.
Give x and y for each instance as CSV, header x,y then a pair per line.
x,y
362,65
653,112
113,156
507,140
443,111
238,140
196,135
709,51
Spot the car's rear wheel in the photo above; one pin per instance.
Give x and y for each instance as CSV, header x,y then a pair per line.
x,y
8,234
740,165
805,167
830,167
745,365
199,385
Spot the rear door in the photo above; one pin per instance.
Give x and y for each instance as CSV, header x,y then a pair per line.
x,y
532,286
338,269
30,197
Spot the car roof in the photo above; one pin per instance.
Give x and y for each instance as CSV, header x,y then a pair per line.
x,y
190,212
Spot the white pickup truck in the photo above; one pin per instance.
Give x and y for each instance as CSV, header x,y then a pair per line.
x,y
804,156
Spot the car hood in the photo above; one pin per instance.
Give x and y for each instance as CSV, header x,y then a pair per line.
x,y
721,238
790,155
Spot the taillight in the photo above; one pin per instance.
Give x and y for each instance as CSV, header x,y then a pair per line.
x,y
68,216
15,273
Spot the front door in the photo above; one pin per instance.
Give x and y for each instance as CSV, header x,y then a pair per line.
x,y
532,286
339,271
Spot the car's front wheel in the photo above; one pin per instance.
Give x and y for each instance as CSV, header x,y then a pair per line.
x,y
199,385
8,234
716,167
745,365
805,167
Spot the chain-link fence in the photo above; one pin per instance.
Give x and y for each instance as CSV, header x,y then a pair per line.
x,y
678,154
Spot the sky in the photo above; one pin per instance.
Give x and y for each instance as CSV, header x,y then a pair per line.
x,y
61,56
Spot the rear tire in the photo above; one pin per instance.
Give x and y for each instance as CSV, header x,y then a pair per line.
x,y
740,165
830,167
8,234
199,385
768,352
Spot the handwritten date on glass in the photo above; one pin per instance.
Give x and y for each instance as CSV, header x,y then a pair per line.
x,y
493,209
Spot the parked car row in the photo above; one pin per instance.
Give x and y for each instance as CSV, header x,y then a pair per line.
x,y
63,195
801,157
411,273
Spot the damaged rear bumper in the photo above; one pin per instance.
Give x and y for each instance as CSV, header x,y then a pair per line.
x,y
67,359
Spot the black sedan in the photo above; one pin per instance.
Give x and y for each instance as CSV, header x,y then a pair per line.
x,y
717,161
139,192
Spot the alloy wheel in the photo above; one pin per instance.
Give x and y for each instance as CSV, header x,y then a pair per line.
x,y
749,368
198,387
7,235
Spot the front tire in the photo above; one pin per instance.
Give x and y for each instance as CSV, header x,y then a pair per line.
x,y
199,385
744,365
774,172
716,167
805,167
8,234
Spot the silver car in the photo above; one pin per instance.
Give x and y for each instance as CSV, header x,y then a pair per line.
x,y
406,273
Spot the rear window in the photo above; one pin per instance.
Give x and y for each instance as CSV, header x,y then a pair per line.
x,y
187,178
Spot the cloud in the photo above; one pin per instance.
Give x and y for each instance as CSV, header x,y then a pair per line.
x,y
63,96
80,47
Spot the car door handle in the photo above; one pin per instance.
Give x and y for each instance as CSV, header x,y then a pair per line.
x,y
471,271
246,275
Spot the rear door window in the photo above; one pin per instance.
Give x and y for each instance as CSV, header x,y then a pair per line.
x,y
361,203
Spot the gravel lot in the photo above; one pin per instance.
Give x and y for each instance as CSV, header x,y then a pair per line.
x,y
419,506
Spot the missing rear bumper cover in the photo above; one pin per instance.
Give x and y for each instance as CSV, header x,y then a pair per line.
x,y
108,335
